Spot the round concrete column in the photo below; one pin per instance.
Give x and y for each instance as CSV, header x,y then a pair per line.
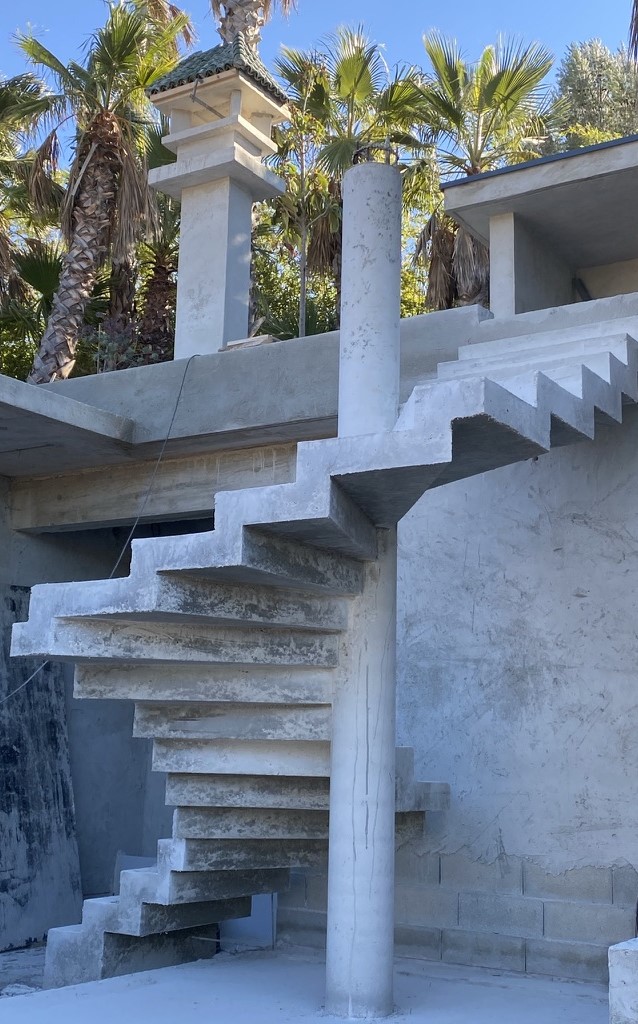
x,y
370,300
360,936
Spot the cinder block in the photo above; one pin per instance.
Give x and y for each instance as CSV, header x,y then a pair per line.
x,y
505,874
415,864
576,960
301,927
306,891
590,922
426,907
504,915
625,885
588,884
419,943
483,949
623,983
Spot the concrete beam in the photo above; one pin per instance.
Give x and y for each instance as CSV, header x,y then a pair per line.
x,y
182,488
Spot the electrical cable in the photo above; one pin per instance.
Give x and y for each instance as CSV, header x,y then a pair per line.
x,y
149,491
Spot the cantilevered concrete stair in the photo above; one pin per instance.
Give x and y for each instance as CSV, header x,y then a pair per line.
x,y
230,641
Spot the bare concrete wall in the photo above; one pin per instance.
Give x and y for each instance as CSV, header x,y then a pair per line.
x,y
518,677
612,279
541,278
39,866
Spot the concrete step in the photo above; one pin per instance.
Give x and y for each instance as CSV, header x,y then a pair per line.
x,y
169,598
204,855
249,823
537,340
250,791
313,510
120,640
242,757
181,683
164,886
183,790
232,553
232,721
120,916
256,824
174,598
578,351
76,955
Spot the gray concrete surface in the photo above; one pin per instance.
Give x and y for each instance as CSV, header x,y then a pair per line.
x,y
580,204
280,989
21,970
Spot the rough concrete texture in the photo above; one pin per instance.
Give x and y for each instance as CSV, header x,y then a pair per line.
x,y
514,622
21,970
278,989
39,866
318,531
283,391
370,342
623,983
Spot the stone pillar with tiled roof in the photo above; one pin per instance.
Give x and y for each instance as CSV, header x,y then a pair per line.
x,y
221,104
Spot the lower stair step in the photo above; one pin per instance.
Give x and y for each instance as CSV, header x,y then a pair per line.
x,y
167,886
239,757
120,916
295,793
268,684
75,957
244,854
248,823
232,721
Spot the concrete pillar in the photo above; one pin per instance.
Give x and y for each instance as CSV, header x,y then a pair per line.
x,y
213,280
502,261
360,938
369,361
623,983
220,128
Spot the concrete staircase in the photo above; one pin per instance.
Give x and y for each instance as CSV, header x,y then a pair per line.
x,y
230,642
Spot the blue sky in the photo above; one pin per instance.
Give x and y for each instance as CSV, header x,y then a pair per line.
x,y
63,26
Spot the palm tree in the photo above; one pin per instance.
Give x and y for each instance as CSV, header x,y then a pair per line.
x,y
344,99
246,17
480,116
21,103
107,205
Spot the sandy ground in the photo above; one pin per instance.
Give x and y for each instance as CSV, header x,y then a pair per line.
x,y
277,988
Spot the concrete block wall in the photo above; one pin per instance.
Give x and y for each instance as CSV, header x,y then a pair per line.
x,y
511,914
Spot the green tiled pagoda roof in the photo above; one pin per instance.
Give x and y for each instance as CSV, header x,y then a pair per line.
x,y
207,63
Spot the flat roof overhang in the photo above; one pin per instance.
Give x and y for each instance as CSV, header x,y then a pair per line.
x,y
583,203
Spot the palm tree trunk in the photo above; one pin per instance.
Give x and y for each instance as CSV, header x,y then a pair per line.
x,y
92,216
156,329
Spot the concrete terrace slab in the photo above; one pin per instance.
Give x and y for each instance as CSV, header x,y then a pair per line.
x,y
581,203
275,988
39,430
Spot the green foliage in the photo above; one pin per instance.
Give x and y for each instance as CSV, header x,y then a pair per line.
x,y
598,90
277,287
